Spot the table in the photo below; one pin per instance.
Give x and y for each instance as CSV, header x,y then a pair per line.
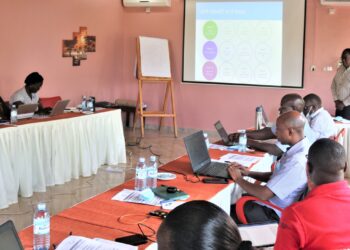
x,y
345,141
45,152
102,217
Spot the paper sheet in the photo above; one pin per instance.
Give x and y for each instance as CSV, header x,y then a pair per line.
x,y
83,243
259,235
244,160
128,195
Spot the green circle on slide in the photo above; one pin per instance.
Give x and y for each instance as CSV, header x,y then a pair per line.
x,y
210,30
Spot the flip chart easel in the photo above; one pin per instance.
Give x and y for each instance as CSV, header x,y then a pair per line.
x,y
153,65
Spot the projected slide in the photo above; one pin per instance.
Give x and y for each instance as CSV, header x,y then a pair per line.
x,y
239,42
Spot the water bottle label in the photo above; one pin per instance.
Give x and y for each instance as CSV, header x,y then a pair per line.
x,y
152,173
141,174
41,225
243,140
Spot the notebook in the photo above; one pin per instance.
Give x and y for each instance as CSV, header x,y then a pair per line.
x,y
200,160
223,134
9,238
162,193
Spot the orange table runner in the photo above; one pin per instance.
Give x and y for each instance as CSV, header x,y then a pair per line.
x,y
99,216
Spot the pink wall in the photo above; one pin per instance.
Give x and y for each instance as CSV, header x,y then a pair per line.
x,y
31,40
199,106
32,34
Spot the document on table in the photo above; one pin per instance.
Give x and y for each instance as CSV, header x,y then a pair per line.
x,y
83,243
259,235
133,196
244,160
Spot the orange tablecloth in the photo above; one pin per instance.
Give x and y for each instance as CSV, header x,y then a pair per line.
x,y
98,216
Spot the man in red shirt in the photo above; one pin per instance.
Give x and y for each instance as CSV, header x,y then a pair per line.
x,y
322,219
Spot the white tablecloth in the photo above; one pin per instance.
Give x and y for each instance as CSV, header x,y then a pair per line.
x,y
345,142
37,155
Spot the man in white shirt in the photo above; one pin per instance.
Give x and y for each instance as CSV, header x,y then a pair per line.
x,y
286,183
341,86
289,102
319,119
28,94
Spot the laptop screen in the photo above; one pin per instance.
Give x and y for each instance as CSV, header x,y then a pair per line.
x,y
197,150
8,237
221,131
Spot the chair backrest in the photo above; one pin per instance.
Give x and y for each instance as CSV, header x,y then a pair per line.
x,y
340,136
49,102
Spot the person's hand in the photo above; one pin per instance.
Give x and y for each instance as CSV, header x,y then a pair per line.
x,y
339,105
236,171
234,137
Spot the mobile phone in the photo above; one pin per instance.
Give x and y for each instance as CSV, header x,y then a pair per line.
x,y
215,180
135,239
159,213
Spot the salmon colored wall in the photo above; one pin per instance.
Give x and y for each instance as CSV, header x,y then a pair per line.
x,y
31,40
199,105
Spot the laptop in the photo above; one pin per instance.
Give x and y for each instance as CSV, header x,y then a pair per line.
x,y
9,239
58,109
25,111
200,160
223,134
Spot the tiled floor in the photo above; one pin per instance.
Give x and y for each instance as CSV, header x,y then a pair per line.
x,y
61,197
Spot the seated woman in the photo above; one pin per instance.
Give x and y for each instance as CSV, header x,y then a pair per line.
x,y
28,94
199,225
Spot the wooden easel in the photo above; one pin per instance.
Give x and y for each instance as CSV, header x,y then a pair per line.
x,y
144,46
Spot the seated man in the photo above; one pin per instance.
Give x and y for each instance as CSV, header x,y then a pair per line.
x,y
28,94
289,102
321,220
288,181
199,225
319,119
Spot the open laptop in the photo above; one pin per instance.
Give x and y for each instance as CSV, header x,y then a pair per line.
x,y
25,111
223,134
9,239
56,110
200,160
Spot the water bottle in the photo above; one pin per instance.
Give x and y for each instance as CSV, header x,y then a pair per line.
x,y
242,141
152,172
41,228
89,105
258,118
83,104
13,114
206,140
140,175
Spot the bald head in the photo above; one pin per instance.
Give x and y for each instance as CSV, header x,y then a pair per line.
x,y
326,161
291,102
290,127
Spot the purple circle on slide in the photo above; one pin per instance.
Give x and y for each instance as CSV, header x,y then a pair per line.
x,y
209,70
210,50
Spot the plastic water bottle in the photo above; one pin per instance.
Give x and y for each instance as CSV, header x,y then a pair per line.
x,y
13,114
206,140
152,172
41,228
83,104
242,141
140,175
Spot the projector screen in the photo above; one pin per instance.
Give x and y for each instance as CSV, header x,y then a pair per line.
x,y
244,42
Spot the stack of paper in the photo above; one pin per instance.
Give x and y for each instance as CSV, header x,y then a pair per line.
x,y
259,235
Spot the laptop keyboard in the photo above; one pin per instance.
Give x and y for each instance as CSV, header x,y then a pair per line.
x,y
216,168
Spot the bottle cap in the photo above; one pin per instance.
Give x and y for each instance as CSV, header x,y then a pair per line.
x,y
258,109
41,206
241,130
142,159
13,105
205,135
153,158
